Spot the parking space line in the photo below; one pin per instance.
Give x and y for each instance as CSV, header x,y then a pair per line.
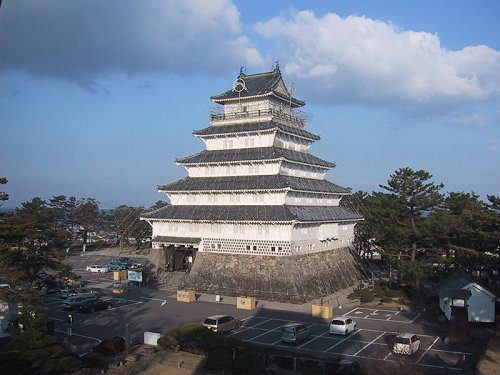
x,y
315,338
415,318
341,341
424,353
371,342
349,312
262,334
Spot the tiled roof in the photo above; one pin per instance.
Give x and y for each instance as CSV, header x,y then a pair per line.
x,y
254,127
255,213
258,85
177,240
254,154
266,182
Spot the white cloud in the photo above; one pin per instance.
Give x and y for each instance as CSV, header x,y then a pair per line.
x,y
358,59
83,40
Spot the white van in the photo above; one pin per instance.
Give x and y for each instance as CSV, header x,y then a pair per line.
x,y
406,343
342,325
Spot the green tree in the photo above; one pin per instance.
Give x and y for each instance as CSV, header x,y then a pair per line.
x,y
87,215
417,197
129,225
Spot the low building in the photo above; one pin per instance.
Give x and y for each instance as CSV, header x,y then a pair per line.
x,y
461,290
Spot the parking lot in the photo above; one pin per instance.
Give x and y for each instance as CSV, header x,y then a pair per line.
x,y
153,310
364,343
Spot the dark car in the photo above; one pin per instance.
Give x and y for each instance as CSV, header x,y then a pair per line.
x,y
91,305
116,266
71,303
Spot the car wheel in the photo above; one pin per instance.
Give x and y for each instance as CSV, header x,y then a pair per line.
x,y
99,271
238,325
110,306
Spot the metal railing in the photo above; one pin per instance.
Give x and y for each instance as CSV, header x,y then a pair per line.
x,y
296,117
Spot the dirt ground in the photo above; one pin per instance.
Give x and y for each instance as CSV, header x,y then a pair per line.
x,y
162,362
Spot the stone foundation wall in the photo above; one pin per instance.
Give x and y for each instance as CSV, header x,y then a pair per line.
x,y
297,278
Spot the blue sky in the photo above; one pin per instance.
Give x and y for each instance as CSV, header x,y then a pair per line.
x,y
98,99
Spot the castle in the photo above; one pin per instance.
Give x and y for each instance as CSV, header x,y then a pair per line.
x,y
256,216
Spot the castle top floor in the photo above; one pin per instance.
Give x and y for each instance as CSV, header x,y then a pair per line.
x,y
258,98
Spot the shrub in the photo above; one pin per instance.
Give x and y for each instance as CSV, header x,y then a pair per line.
x,y
219,359
380,291
367,295
168,342
386,299
392,293
113,345
353,295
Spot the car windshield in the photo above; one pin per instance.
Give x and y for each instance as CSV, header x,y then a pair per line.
x,y
338,322
402,340
210,322
288,329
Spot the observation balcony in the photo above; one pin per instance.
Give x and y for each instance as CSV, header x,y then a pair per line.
x,y
295,118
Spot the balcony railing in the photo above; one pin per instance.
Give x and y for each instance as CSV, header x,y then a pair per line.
x,y
296,118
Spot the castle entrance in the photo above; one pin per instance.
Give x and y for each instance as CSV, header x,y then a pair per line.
x,y
179,258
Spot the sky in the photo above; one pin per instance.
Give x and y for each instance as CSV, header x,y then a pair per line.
x,y
98,98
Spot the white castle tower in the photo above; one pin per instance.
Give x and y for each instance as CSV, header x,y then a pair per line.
x,y
256,190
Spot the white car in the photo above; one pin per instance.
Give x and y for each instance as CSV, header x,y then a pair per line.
x,y
97,268
342,325
406,343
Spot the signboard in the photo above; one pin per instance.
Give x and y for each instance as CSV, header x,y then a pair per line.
x,y
134,276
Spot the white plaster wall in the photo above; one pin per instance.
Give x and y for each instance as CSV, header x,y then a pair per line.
x,y
241,231
244,169
311,200
229,199
239,142
304,171
481,306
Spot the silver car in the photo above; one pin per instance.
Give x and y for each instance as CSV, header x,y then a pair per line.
x,y
295,333
221,323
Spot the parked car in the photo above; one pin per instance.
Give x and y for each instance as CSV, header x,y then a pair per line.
x,y
116,266
295,333
72,302
221,323
93,304
97,268
342,325
132,264
406,343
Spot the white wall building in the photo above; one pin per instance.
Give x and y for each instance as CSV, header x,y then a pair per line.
x,y
255,189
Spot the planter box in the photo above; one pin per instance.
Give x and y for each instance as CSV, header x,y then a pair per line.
x,y
325,312
245,303
186,296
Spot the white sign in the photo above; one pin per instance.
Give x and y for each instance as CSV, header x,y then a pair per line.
x,y
134,276
151,338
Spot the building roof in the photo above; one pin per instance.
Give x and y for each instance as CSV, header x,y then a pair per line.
x,y
254,213
255,127
455,293
254,154
245,183
259,85
177,240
